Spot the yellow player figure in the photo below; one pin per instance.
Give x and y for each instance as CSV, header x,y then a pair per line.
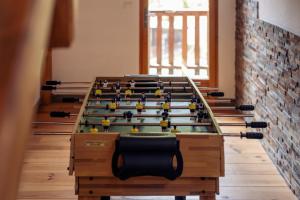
x,y
112,106
164,123
134,129
105,123
192,106
157,93
166,106
128,93
94,129
98,92
175,130
139,106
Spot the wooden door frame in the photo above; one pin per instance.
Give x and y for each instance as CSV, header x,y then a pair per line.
x,y
212,47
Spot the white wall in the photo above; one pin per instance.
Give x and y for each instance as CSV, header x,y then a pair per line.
x,y
227,47
107,43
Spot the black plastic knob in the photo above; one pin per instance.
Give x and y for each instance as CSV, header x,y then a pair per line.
x,y
216,94
246,107
59,114
52,82
70,99
257,124
252,135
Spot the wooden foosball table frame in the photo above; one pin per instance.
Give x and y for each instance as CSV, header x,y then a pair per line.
x,y
91,160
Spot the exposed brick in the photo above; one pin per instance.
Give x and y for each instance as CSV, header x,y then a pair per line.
x,y
268,75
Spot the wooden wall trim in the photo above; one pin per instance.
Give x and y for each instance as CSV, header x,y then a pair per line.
x,y
143,68
24,28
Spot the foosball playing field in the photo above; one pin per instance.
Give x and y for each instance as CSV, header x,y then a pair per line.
x,y
145,135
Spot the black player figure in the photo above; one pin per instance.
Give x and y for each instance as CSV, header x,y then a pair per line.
x,y
165,114
128,115
194,98
143,98
117,87
117,98
168,97
160,84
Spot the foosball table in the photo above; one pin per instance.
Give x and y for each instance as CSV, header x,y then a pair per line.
x,y
146,136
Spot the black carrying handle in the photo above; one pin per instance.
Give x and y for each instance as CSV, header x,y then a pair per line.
x,y
245,107
252,135
216,94
53,82
257,124
146,161
59,114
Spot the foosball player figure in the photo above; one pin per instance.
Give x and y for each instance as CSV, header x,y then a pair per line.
x,y
128,93
201,115
97,92
117,87
94,129
164,124
105,83
132,83
105,123
143,98
112,106
139,106
134,129
168,97
165,114
194,98
98,83
166,106
128,115
192,106
157,92
160,84
175,130
117,98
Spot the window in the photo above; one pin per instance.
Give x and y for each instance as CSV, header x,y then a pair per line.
x,y
181,36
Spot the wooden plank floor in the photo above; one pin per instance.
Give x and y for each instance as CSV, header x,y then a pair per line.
x,y
250,174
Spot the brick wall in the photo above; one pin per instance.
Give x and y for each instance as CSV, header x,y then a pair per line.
x,y
268,75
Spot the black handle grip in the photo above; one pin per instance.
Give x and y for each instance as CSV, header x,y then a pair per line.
x,y
53,82
216,94
59,114
257,124
252,135
48,87
70,99
246,107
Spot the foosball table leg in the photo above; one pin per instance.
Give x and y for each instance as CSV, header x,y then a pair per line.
x,y
208,197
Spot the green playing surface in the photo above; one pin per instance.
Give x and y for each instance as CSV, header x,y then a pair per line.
x,y
142,129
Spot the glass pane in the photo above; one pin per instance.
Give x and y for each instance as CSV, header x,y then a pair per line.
x,y
165,72
177,40
152,71
152,40
165,44
203,42
203,74
191,41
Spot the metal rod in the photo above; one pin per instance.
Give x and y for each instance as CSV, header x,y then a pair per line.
x,y
148,124
159,115
162,100
159,107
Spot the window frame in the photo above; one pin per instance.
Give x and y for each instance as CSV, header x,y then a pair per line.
x,y
212,41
